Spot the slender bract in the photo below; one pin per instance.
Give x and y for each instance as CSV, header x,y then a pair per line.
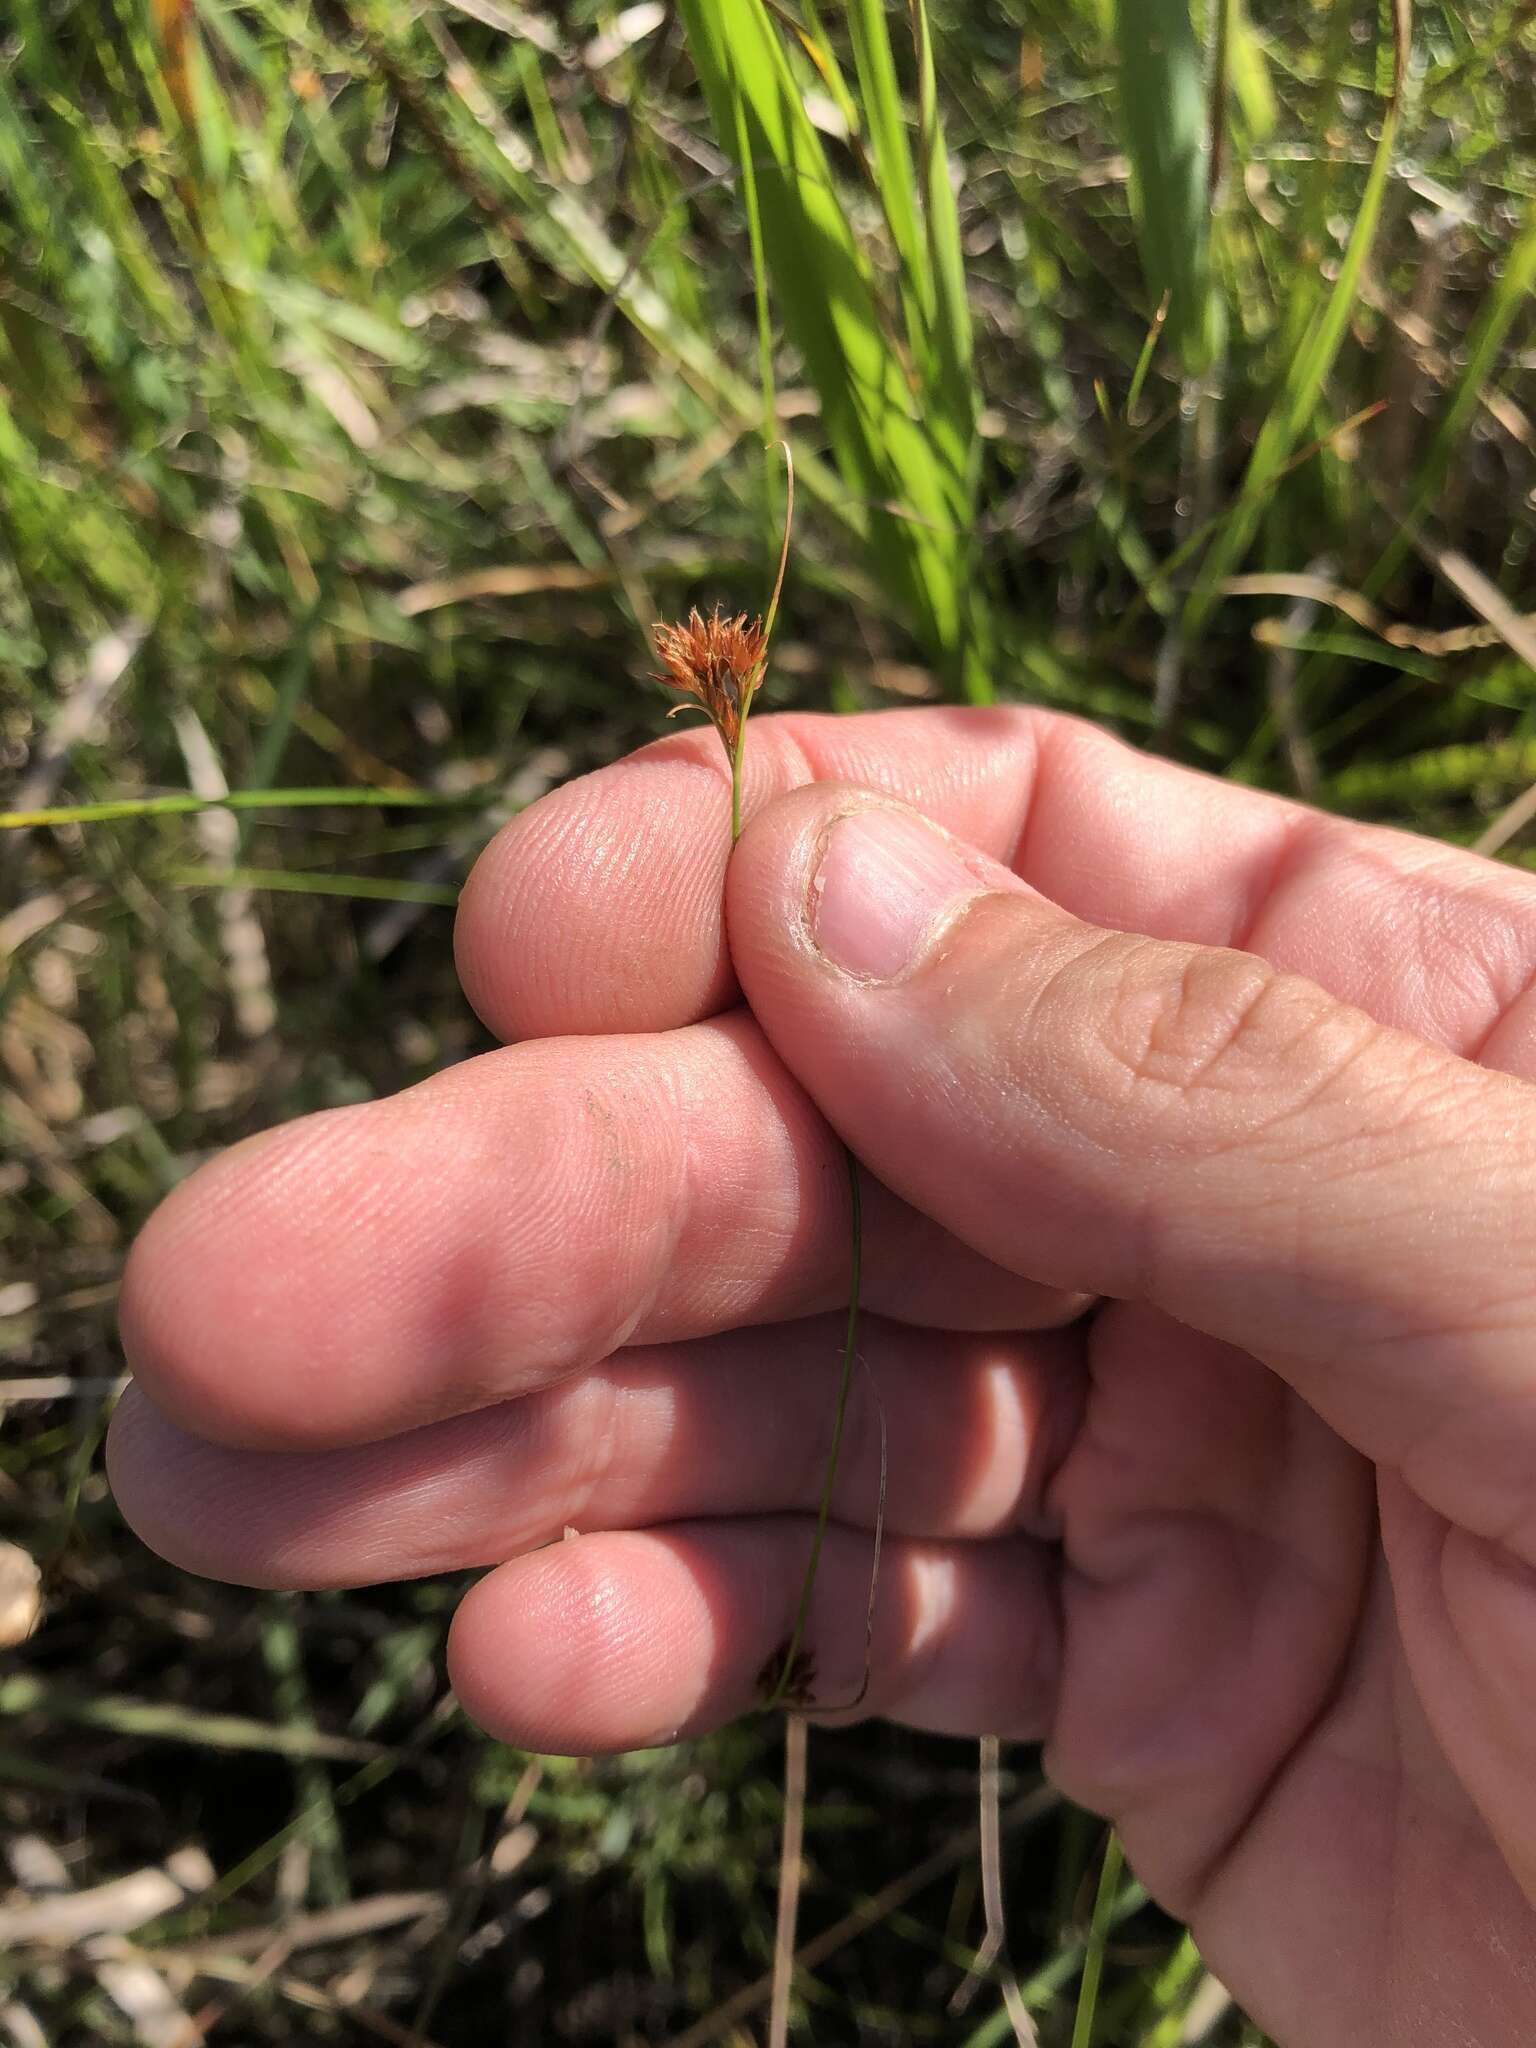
x,y
893,379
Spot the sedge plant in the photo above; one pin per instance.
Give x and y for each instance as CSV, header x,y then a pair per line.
x,y
719,663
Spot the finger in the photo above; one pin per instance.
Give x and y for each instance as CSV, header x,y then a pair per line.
x,y
599,908
1167,1123
624,1641
507,1223
971,1429
1468,1607
1218,1543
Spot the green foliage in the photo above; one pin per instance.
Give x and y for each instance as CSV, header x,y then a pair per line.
x,y
1165,120
897,401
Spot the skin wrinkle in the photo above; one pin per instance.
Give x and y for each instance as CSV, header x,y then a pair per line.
x,y
1235,1028
1008,1056
1334,1076
1296,833
1034,780
1187,1035
1330,1075
1430,909
1504,1015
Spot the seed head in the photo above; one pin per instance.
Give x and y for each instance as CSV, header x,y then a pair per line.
x,y
719,662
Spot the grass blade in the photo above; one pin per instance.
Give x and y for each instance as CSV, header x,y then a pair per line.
x,y
1164,119
1292,411
115,808
901,452
1098,1941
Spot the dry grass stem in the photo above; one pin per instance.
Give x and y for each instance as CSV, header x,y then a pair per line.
x,y
791,1852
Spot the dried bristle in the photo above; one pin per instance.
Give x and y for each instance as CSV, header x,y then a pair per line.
x,y
717,660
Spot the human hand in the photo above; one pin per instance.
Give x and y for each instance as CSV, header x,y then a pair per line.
x,y
1253,1546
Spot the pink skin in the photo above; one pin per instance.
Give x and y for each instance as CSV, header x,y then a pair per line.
x,y
1253,1548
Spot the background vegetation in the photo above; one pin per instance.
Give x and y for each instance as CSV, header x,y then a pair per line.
x,y
372,373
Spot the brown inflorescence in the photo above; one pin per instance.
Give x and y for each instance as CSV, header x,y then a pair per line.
x,y
718,661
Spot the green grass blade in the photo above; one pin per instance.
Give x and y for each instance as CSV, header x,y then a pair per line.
x,y
1253,89
895,454
150,1720
1510,296
952,376
1293,410
885,123
1164,119
364,888
115,808
1144,358
1098,1941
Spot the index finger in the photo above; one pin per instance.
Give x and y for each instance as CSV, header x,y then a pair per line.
x,y
599,910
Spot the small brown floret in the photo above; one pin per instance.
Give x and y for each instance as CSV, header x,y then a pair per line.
x,y
718,661
795,1687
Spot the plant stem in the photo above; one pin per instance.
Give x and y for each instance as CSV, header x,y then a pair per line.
x,y
993,1952
839,1418
791,1849
1098,1937
736,759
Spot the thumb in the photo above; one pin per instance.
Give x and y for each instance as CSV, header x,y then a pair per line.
x,y
1175,1124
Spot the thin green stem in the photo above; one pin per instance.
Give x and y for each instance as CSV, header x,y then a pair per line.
x,y
1098,1939
239,800
778,582
839,1419
362,888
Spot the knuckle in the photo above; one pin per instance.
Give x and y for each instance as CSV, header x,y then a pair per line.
x,y
1221,1035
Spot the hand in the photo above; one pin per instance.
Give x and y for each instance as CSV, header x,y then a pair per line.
x,y
1253,1545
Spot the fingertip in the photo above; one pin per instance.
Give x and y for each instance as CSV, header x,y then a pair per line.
x,y
174,1490
197,1302
593,1645
598,909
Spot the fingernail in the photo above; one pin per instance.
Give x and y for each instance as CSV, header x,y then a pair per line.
x,y
884,885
